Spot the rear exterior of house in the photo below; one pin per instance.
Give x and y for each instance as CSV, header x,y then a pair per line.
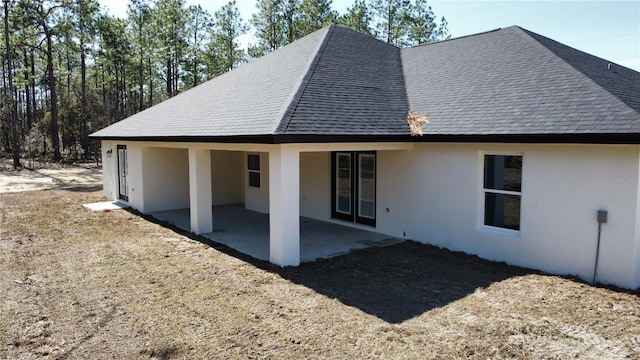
x,y
433,193
514,170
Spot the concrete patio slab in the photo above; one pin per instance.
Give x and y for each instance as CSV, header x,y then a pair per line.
x,y
248,232
106,205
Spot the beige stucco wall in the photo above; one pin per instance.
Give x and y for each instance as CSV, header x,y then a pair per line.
x,y
227,177
433,193
165,174
135,176
315,185
257,199
109,170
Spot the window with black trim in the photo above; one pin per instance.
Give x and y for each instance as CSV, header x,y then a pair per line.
x,y
502,191
253,168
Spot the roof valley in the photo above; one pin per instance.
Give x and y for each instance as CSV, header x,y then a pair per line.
x,y
404,81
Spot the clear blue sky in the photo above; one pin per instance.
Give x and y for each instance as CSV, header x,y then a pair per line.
x,y
608,29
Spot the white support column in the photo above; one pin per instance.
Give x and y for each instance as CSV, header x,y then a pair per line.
x,y
284,206
200,190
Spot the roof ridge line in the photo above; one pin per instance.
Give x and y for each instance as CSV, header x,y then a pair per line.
x,y
293,100
582,73
456,38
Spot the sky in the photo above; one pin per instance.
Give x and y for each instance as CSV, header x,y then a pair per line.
x,y
605,28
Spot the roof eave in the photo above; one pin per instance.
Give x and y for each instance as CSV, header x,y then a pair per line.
x,y
586,138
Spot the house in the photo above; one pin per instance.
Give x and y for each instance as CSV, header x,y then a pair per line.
x,y
531,148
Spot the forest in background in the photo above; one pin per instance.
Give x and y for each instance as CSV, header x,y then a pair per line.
x,y
69,68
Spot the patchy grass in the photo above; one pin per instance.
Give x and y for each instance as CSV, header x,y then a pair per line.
x,y
81,284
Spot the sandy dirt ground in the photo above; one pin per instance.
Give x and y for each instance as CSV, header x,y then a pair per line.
x,y
56,177
80,284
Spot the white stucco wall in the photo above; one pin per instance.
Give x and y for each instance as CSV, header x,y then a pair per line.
x,y
227,177
135,176
109,170
166,178
637,237
315,185
433,195
257,199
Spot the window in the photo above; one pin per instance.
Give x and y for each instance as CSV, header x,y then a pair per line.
x,y
253,167
367,185
502,191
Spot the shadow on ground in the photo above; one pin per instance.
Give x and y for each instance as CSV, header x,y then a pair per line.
x,y
394,283
402,281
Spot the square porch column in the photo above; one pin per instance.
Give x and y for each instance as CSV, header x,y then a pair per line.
x,y
200,191
284,206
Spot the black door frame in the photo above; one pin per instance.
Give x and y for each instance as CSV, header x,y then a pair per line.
x,y
122,195
355,201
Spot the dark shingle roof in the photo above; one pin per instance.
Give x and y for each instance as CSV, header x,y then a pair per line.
x,y
249,100
512,81
621,82
356,87
338,82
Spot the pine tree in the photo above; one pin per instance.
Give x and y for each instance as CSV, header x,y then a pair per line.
x,y
443,30
139,14
197,27
228,27
269,25
314,15
290,12
391,18
47,18
114,58
422,24
357,17
85,12
15,141
169,22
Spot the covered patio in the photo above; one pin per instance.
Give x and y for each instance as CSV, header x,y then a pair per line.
x,y
248,232
282,214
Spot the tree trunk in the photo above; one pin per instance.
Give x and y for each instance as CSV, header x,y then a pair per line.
x,y
15,141
125,94
175,76
389,20
33,82
195,54
27,93
33,89
5,124
141,84
115,104
104,90
55,136
169,78
68,94
84,138
150,83
141,68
